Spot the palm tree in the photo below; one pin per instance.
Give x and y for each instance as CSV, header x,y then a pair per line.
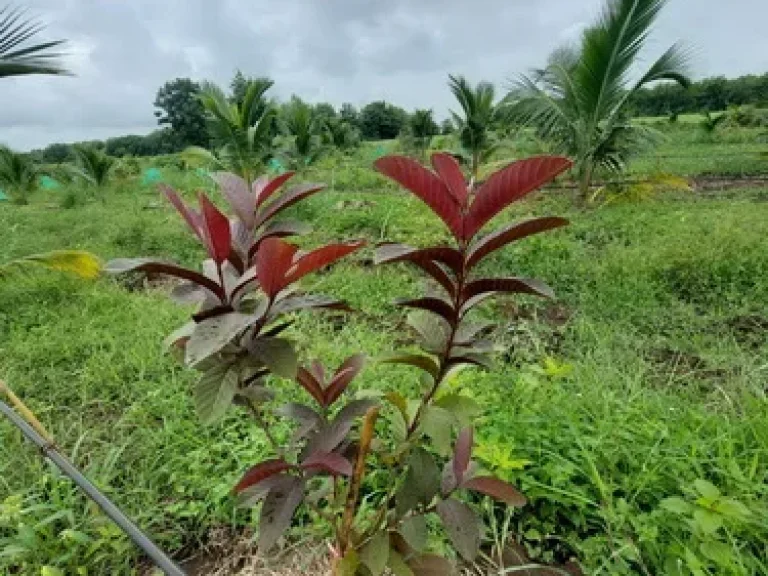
x,y
241,132
302,128
579,101
422,127
340,134
19,58
479,113
92,165
18,174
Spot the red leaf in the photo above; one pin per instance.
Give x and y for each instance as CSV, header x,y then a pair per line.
x,y
509,234
263,188
122,265
329,462
286,200
343,376
509,285
261,472
273,261
434,305
320,258
426,185
311,385
451,257
450,173
510,184
216,230
421,258
318,371
190,215
496,489
462,452
237,192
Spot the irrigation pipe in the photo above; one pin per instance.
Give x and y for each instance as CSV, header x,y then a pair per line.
x,y
31,428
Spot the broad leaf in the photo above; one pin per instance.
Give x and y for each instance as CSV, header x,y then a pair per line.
x,y
424,184
434,331
149,266
281,229
511,233
413,529
307,302
507,285
446,255
468,331
462,453
348,565
426,363
277,511
450,173
273,261
329,462
238,193
320,258
216,230
422,482
262,471
276,354
397,565
463,527
215,391
464,408
435,305
332,434
193,219
343,376
309,382
254,494
511,184
263,187
211,335
496,489
297,194
431,565
375,553
180,336
438,424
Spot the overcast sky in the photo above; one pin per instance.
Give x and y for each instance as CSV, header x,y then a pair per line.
x,y
332,50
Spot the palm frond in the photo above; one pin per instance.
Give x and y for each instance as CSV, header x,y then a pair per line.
x,y
17,57
78,262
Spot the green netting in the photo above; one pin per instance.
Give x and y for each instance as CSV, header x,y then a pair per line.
x,y
48,183
276,166
203,173
152,176
3,197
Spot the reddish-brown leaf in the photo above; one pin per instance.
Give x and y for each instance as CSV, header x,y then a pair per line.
x,y
462,453
426,185
237,192
262,471
273,261
216,230
450,173
308,263
311,385
263,188
329,462
510,184
496,489
507,285
425,259
509,234
284,201
190,215
435,305
343,376
122,265
318,371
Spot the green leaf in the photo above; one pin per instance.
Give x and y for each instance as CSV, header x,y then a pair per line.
x,y
431,565
425,363
414,530
349,564
464,408
433,330
277,355
179,334
398,566
211,335
676,505
706,489
50,571
719,552
375,553
463,527
422,482
732,509
438,424
708,522
215,391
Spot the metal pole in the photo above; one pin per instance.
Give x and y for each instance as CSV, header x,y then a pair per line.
x,y
159,557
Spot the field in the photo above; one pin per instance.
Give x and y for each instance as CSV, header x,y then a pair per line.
x,y
618,409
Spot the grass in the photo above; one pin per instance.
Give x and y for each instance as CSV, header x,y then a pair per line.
x,y
645,378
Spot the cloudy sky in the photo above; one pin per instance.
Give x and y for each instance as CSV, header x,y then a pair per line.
x,y
332,50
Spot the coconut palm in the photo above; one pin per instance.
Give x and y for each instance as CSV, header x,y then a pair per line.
x,y
18,174
17,56
479,114
579,100
240,137
340,134
303,132
92,165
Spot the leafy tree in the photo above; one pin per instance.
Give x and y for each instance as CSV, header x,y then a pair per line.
x,y
580,100
56,153
180,108
18,174
240,138
302,129
348,113
340,134
323,112
474,124
447,127
92,165
420,129
382,121
17,56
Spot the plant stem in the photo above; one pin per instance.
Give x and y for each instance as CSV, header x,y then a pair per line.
x,y
262,423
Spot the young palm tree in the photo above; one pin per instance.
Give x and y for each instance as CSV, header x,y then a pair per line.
x,y
240,136
303,130
17,57
340,134
479,113
18,174
579,101
92,165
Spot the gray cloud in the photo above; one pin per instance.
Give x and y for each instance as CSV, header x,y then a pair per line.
x,y
337,50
